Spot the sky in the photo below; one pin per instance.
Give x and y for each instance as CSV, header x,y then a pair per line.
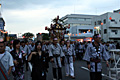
x,y
33,15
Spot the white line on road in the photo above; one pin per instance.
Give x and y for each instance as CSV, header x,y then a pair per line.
x,y
104,75
30,65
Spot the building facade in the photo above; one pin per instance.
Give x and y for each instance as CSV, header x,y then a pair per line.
x,y
79,26
2,23
108,25
85,26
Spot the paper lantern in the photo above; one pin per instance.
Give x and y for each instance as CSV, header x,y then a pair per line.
x,y
110,18
101,23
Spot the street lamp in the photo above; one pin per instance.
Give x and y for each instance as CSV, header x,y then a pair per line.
x,y
69,34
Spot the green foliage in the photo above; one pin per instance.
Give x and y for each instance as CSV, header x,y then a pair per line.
x,y
28,35
45,36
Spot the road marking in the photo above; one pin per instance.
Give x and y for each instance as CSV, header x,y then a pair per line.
x,y
104,75
30,65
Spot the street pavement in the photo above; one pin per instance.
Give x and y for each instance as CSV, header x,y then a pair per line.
x,y
80,73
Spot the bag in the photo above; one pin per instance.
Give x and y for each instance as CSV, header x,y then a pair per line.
x,y
3,73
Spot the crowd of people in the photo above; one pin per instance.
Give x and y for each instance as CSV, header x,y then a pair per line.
x,y
16,54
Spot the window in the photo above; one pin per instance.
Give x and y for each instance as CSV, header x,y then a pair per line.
x,y
99,22
95,23
114,31
105,31
85,30
112,20
75,18
87,19
115,22
104,21
81,19
100,31
76,24
94,32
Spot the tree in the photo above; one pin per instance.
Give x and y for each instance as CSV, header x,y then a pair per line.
x,y
28,35
45,36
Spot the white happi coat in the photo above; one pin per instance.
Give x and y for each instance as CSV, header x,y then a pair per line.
x,y
81,48
26,50
56,51
62,46
91,52
32,48
47,48
69,53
